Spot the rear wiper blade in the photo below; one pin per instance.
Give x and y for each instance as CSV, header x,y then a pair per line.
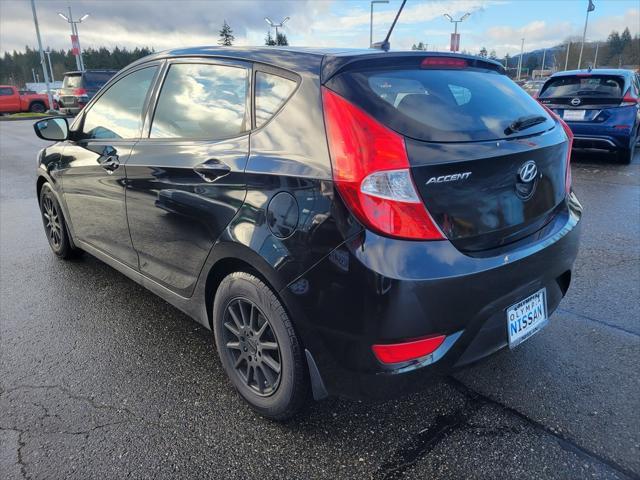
x,y
523,123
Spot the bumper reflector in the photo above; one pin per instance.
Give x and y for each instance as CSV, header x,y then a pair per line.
x,y
403,352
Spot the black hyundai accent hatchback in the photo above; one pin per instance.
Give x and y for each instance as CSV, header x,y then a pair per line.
x,y
346,222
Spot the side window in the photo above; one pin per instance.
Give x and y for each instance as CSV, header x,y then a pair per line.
x,y
202,101
118,112
271,93
6,91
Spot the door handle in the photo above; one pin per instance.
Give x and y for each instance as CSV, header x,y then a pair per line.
x,y
212,169
109,163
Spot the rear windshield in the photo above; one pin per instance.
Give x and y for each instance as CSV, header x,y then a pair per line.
x,y
584,86
96,79
444,105
72,81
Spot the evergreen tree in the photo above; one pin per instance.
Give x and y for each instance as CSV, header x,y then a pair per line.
x,y
268,40
483,52
493,55
226,35
281,39
625,39
615,43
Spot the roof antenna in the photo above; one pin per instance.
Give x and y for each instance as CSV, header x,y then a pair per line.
x,y
385,45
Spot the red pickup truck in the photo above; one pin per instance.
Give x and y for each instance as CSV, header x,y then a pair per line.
x,y
11,101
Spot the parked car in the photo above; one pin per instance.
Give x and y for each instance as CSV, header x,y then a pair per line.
x,y
13,101
600,106
346,223
532,87
80,87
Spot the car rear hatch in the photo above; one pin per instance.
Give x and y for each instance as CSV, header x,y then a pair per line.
x,y
583,97
488,162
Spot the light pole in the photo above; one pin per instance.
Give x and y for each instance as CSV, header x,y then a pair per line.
x,y
520,59
590,8
544,57
46,75
276,25
371,22
48,53
74,33
455,44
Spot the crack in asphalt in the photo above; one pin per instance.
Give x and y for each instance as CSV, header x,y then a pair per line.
x,y
601,322
565,442
423,442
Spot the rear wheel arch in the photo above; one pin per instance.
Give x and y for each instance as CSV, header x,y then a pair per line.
x,y
38,103
242,260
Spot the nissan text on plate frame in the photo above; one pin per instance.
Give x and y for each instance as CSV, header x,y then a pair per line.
x,y
344,221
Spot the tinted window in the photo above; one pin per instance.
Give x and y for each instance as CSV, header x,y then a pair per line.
x,y
118,112
97,79
72,81
443,105
4,91
202,101
271,92
593,85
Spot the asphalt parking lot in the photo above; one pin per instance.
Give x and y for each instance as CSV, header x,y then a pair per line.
x,y
101,379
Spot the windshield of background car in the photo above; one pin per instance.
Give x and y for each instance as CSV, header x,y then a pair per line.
x,y
584,86
72,81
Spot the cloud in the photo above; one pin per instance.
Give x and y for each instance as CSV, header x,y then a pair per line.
x,y
159,24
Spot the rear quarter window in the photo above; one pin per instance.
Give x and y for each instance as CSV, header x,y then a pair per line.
x,y
272,91
442,105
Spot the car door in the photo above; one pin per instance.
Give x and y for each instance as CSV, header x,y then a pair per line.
x,y
185,179
9,100
92,170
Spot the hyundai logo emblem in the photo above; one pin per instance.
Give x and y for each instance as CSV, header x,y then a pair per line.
x,y
575,102
528,171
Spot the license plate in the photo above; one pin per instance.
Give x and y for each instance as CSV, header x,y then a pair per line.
x,y
572,115
527,317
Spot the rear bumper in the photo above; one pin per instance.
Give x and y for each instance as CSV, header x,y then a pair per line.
x,y
378,290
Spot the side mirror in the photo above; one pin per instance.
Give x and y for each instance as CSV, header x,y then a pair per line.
x,y
56,129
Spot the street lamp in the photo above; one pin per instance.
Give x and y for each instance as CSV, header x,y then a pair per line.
x,y
276,25
455,46
74,33
371,22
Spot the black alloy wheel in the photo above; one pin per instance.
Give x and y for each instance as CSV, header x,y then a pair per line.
x,y
52,222
258,346
252,346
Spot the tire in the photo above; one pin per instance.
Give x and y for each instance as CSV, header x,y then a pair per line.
x,y
37,107
54,224
625,155
254,335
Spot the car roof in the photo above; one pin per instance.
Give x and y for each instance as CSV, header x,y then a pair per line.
x,y
91,70
320,60
594,71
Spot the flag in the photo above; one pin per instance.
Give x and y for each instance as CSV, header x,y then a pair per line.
x,y
591,6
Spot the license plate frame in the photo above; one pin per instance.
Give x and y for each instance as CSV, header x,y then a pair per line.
x,y
527,317
574,115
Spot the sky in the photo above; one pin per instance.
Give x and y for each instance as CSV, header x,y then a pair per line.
x,y
495,24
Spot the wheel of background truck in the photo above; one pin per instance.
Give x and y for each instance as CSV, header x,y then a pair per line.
x,y
37,107
54,224
258,347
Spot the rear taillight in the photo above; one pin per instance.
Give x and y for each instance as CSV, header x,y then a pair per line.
x,y
443,62
569,133
79,92
628,99
406,351
371,172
